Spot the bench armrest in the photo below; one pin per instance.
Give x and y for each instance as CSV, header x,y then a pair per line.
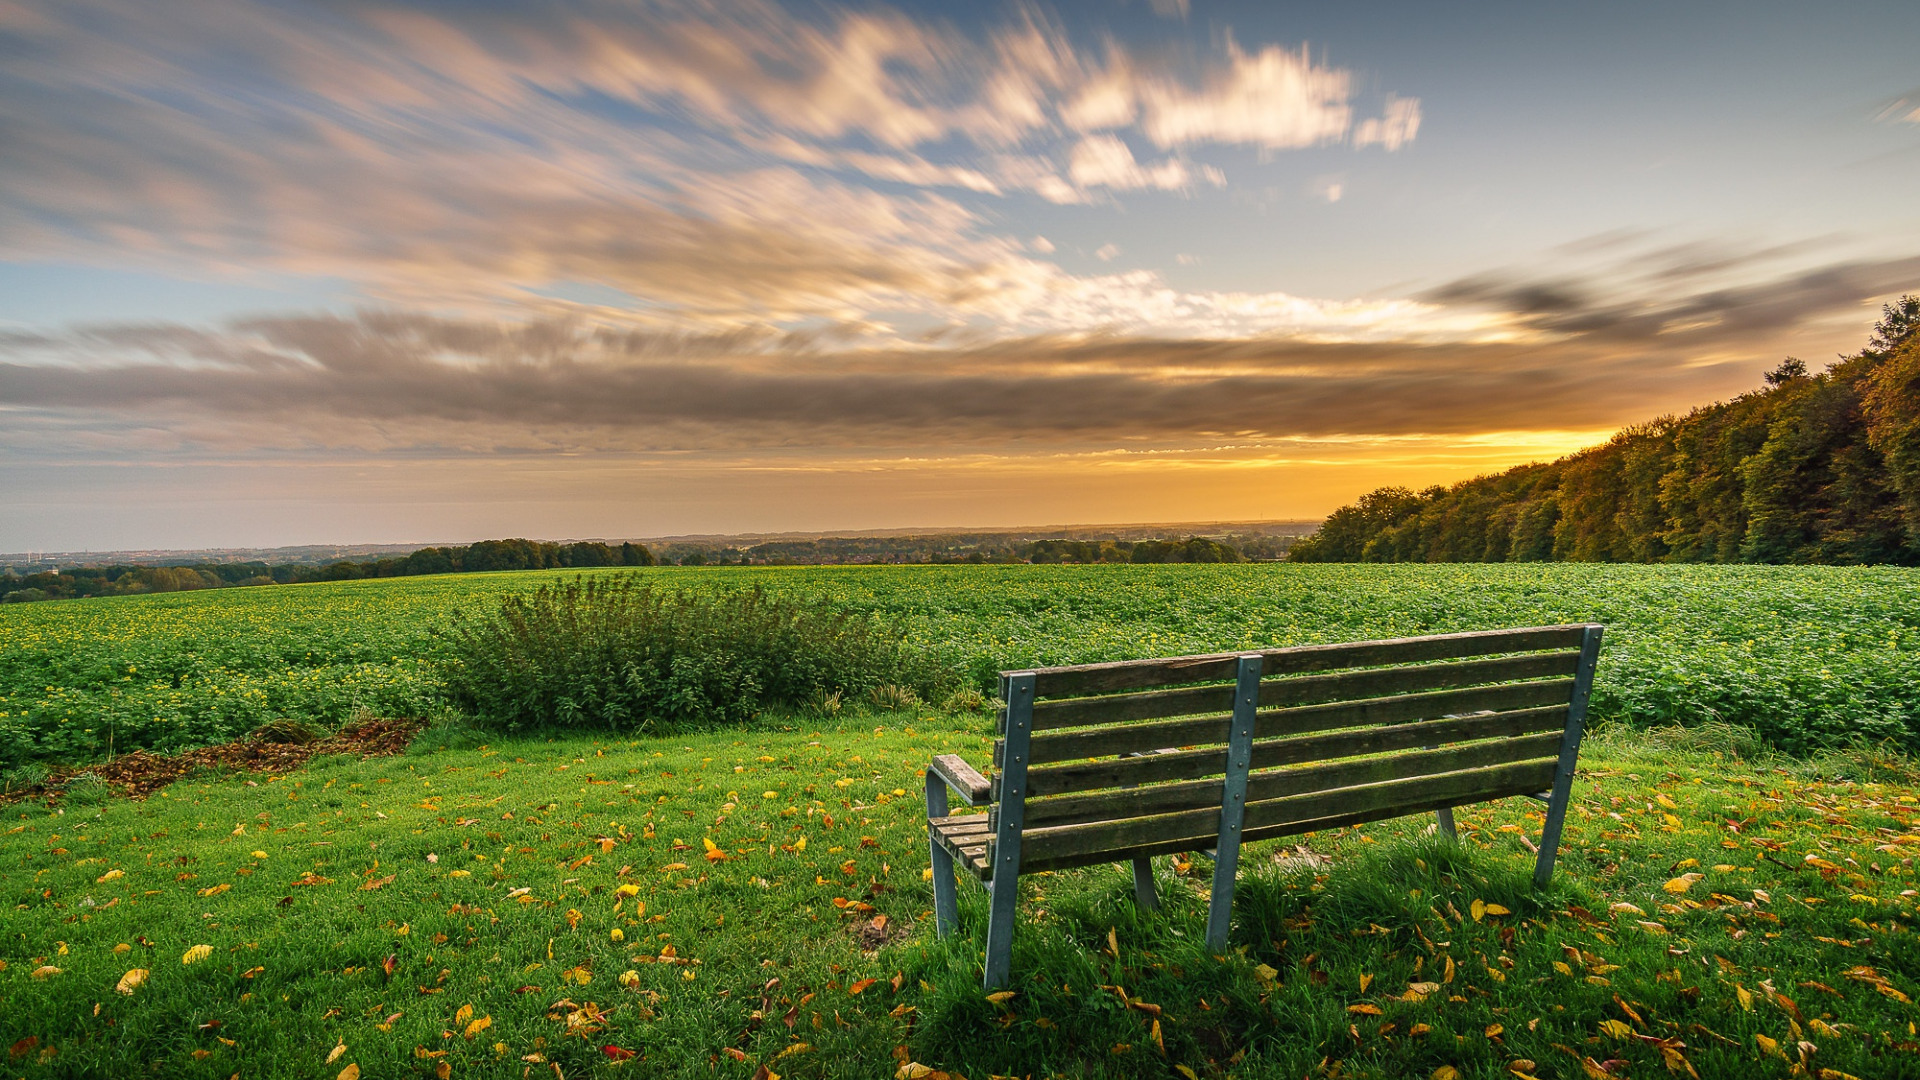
x,y
961,778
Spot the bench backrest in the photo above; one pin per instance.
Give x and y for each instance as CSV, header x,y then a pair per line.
x,y
1108,761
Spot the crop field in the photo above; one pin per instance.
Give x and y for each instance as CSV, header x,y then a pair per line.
x,y
1806,656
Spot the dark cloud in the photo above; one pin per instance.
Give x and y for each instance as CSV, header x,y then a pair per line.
x,y
1601,307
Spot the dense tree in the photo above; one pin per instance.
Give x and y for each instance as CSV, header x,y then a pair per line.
x,y
1816,468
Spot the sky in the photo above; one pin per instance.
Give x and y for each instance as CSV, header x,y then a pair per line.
x,y
362,272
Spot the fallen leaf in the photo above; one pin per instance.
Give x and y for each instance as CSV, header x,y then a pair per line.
x,y
131,981
1447,1072
1479,911
616,1053
1364,1009
861,986
1616,1028
1681,884
111,875
1001,997
476,1026
1498,909
337,1053
44,971
196,954
351,1072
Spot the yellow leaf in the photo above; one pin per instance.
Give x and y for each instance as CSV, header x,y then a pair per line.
x,y
131,981
1186,1072
912,1070
1681,884
215,890
800,844
1616,1028
111,875
1364,1009
351,1072
1494,1030
258,854
44,971
1770,1046
1266,973
1561,967
196,954
463,1014
709,844
628,889
1745,998
1113,942
999,997
477,1026
1446,1072
1418,1030
336,1053
1624,908
1498,909
1666,802
1365,981
1479,911
442,1070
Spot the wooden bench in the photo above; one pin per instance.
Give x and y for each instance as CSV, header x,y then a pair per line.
x,y
1122,762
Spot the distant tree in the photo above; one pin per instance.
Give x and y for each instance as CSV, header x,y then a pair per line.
x,y
1790,369
1898,323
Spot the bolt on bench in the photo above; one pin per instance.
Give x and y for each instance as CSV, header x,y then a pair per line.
x,y
1121,762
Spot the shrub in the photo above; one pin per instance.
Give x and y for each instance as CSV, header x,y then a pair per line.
x,y
613,653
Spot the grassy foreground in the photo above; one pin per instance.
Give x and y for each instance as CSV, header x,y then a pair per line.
x,y
753,903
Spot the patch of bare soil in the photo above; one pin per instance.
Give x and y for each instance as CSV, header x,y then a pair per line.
x,y
140,774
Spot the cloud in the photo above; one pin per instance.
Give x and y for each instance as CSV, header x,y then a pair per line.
x,y
1275,99
447,154
399,383
1105,161
1393,129
1107,252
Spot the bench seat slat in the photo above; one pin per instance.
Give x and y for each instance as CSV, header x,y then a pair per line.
x,y
1043,848
1300,659
1303,690
1210,730
1272,784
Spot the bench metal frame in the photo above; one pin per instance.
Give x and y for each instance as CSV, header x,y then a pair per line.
x,y
1008,793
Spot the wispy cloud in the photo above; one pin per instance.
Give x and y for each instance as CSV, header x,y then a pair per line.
x,y
731,157
408,383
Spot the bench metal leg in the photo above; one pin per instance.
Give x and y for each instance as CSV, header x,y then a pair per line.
x,y
1569,754
946,905
1144,893
1233,802
1445,814
1017,691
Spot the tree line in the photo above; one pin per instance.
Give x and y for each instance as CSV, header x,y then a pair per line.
x,y
1813,468
516,554
519,554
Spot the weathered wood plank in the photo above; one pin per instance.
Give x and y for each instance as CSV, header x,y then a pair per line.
x,y
962,778
1270,832
1202,731
1139,674
1301,690
1040,846
1196,794
1270,753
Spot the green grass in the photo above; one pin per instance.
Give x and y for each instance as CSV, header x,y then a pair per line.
x,y
1315,983
1807,656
